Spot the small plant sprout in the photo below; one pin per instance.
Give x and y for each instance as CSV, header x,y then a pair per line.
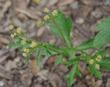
x,y
61,26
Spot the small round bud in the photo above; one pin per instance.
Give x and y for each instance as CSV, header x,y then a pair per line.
x,y
12,35
46,10
99,58
55,12
24,54
40,23
33,44
26,50
11,27
97,66
46,17
91,61
19,30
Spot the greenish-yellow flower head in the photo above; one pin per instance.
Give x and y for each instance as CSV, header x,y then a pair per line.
x,y
91,61
39,23
33,44
55,12
26,50
99,58
24,54
15,33
11,27
18,30
97,66
46,10
12,35
46,17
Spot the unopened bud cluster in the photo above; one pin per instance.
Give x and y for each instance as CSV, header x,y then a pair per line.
x,y
26,45
47,17
95,61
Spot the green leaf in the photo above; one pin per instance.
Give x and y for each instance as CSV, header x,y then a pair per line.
x,y
86,45
15,43
105,64
71,75
104,34
104,24
59,59
61,26
94,71
102,38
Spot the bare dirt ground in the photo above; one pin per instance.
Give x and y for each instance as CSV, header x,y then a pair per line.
x,y
25,13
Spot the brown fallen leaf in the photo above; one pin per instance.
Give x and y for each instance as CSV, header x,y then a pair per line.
x,y
3,40
21,6
26,78
65,2
28,13
34,67
55,80
51,59
4,73
5,7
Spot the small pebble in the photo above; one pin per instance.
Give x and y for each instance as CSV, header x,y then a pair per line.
x,y
107,2
79,20
1,83
74,5
97,13
108,83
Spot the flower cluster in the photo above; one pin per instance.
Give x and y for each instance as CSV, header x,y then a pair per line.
x,y
15,31
26,45
95,61
47,17
29,50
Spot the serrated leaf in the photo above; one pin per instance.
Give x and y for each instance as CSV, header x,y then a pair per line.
x,y
61,26
105,64
59,59
102,38
71,75
64,23
86,45
104,24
